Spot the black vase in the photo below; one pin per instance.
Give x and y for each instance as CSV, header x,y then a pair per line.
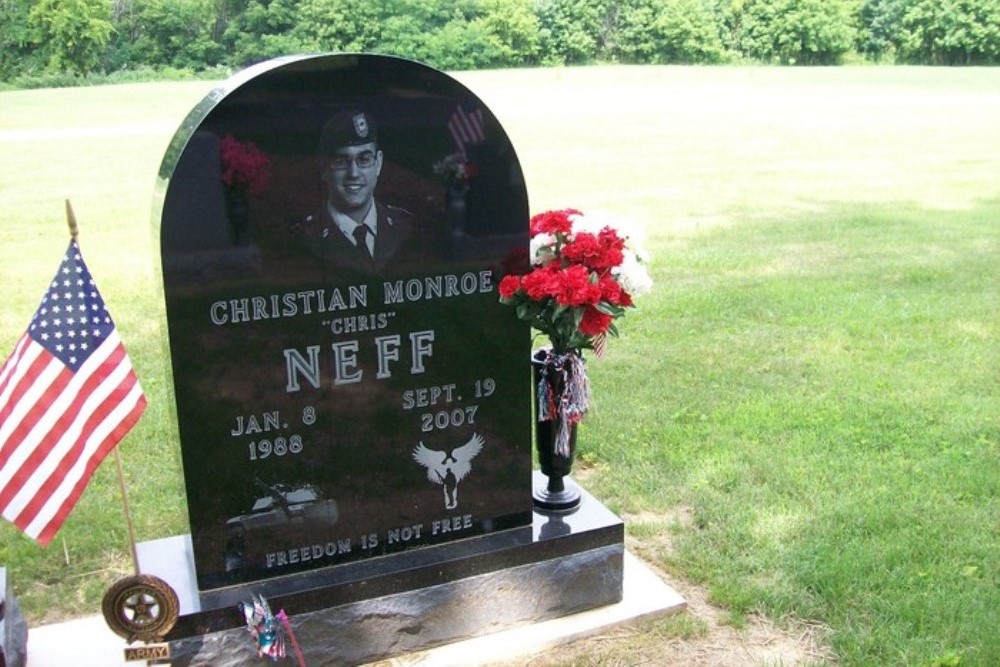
x,y
238,210
558,494
457,210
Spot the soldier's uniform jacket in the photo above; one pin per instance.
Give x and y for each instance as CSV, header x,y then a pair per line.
x,y
325,240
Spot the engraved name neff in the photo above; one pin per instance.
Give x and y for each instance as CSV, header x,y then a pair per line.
x,y
344,367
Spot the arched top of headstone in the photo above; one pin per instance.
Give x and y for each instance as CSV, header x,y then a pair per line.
x,y
448,166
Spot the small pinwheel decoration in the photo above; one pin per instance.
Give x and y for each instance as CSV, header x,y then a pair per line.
x,y
265,629
270,632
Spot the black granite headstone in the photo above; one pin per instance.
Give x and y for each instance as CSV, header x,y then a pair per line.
x,y
338,399
13,628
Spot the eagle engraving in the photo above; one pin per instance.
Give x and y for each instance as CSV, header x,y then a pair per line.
x,y
449,467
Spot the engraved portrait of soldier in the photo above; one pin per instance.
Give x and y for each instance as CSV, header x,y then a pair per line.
x,y
351,227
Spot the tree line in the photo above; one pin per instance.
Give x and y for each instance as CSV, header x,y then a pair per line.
x,y
74,38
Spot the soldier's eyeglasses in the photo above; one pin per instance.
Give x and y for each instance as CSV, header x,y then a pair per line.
x,y
364,160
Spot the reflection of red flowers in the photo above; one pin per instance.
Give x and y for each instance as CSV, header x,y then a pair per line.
x,y
517,261
244,166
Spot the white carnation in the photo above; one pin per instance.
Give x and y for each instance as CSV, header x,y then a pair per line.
x,y
626,229
633,276
591,223
541,249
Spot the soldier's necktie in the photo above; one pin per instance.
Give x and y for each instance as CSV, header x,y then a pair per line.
x,y
361,237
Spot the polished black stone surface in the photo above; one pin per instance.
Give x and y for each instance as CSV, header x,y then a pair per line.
x,y
333,410
13,628
550,537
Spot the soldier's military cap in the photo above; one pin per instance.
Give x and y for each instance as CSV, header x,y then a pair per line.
x,y
353,127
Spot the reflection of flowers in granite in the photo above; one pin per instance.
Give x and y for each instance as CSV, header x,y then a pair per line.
x,y
246,172
456,171
245,167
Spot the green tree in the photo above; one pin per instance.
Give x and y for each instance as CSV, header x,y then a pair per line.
x,y
878,38
514,31
575,31
803,32
951,32
71,33
260,30
435,33
167,33
471,34
339,25
466,34
17,55
668,31
459,45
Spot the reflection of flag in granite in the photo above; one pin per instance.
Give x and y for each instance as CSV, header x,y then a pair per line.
x,y
466,129
68,395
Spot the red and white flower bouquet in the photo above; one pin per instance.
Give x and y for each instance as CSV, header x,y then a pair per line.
x,y
585,271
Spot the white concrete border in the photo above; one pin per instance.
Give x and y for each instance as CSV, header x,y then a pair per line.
x,y
88,642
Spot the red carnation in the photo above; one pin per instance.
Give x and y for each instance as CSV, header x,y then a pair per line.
x,y
509,285
610,238
599,253
553,222
575,287
585,249
614,248
611,291
594,322
541,283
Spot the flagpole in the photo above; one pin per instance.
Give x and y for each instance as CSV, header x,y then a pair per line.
x,y
128,511
74,231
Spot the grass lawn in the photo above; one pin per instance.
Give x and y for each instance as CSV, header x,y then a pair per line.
x,y
803,415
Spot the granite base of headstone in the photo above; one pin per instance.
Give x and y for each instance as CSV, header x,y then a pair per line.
x,y
411,601
13,628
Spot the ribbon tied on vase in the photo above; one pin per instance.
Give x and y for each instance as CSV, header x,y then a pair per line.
x,y
563,394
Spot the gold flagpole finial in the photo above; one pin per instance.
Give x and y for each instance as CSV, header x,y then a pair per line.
x,y
71,221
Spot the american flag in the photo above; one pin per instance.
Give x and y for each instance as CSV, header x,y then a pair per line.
x,y
466,129
68,395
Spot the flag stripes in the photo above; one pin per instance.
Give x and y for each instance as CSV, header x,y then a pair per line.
x,y
466,129
63,405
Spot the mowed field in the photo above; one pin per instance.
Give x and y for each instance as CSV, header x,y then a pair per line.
x,y
801,419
